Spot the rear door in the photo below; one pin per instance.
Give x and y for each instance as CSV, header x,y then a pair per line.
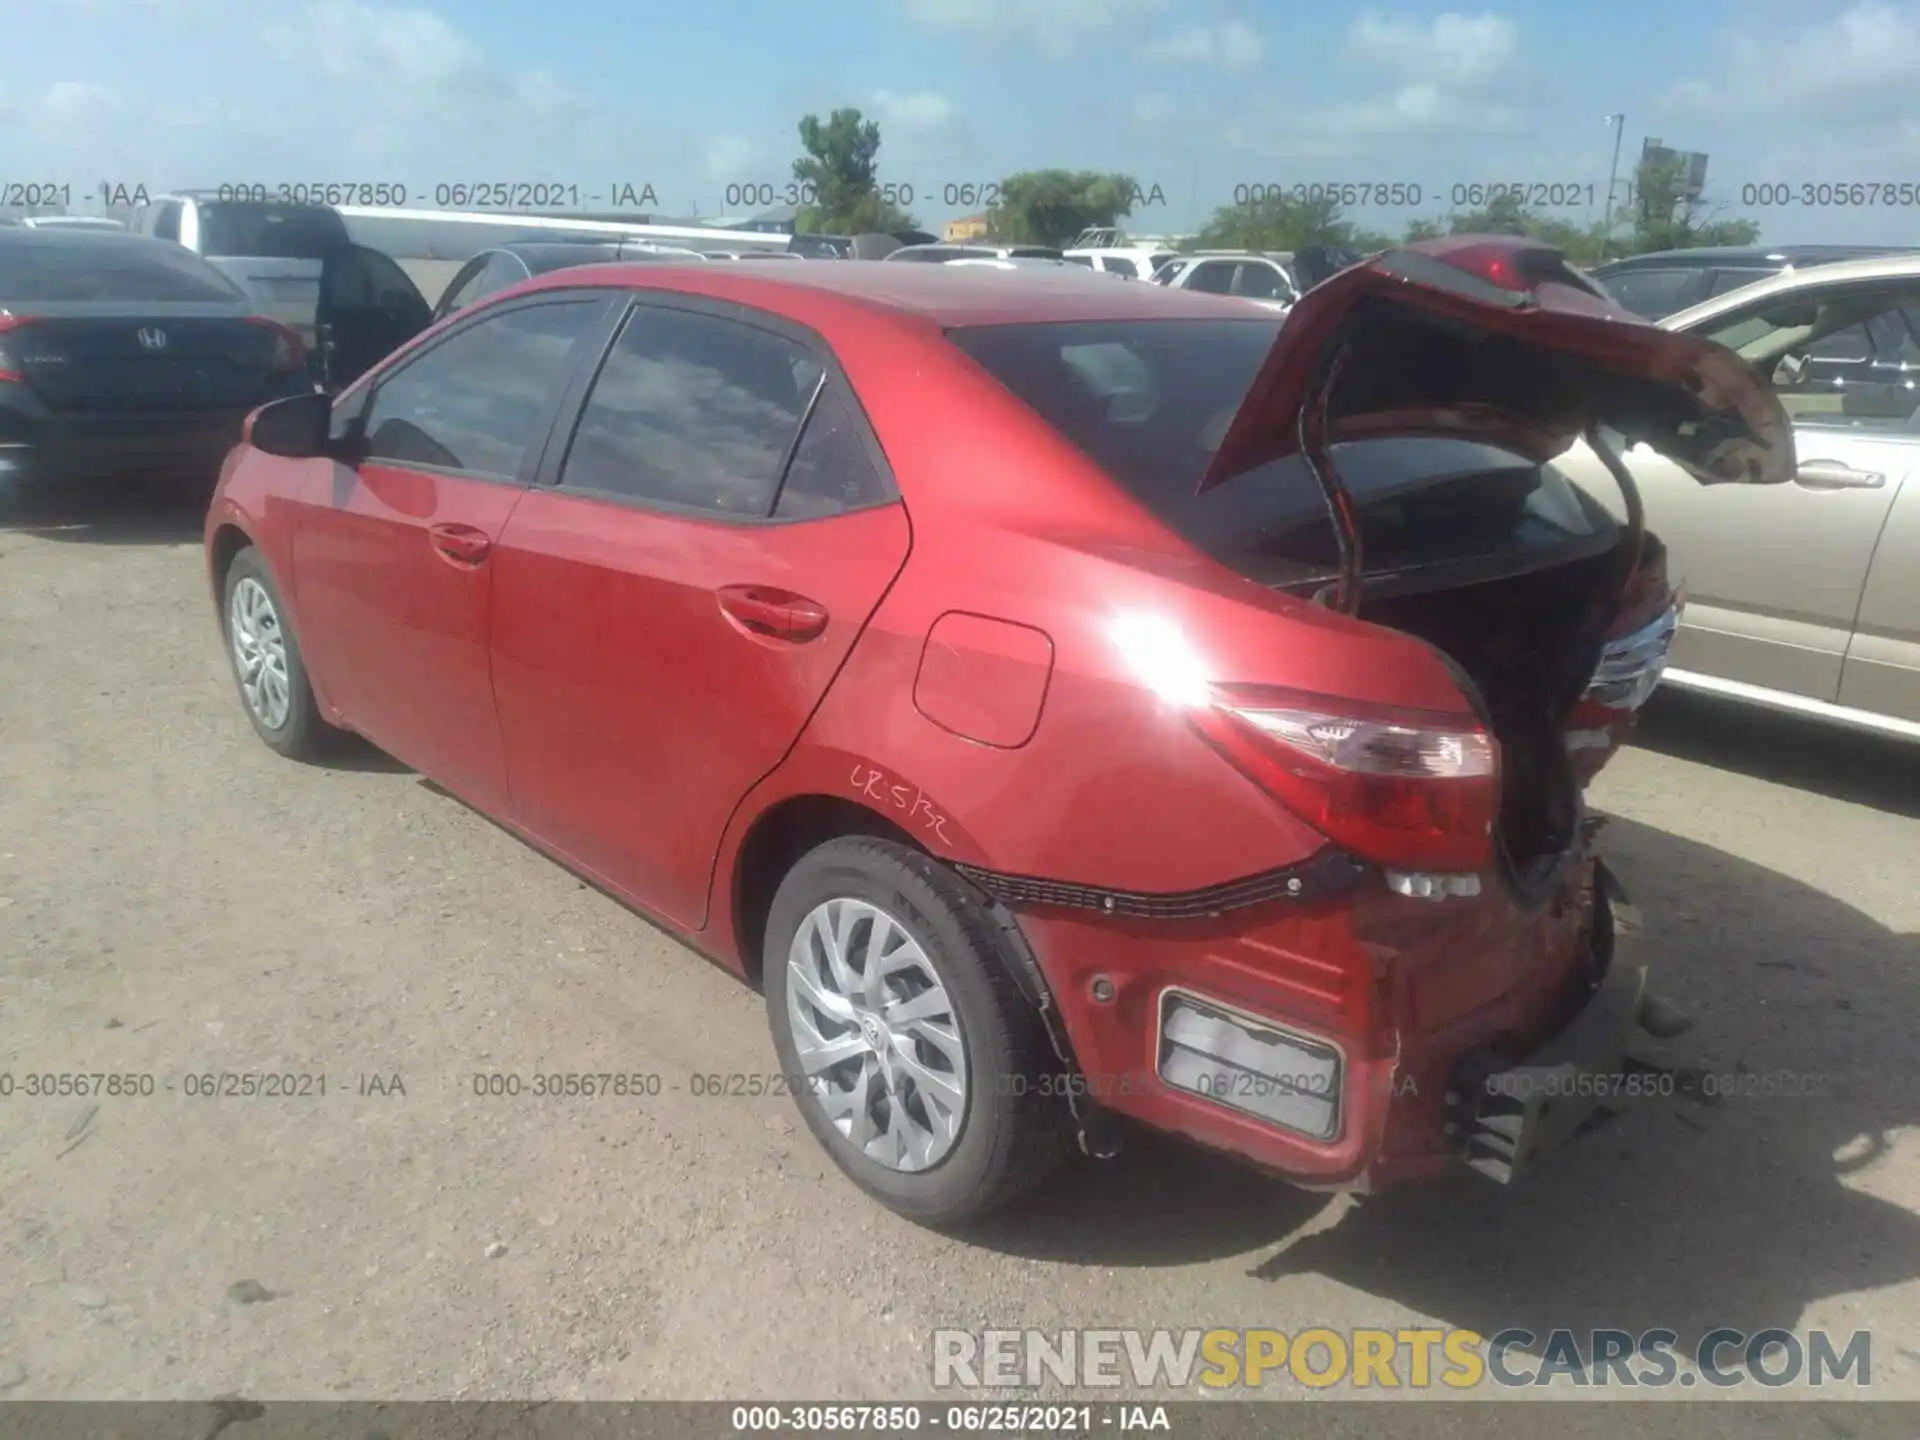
x,y
674,600
368,308
1882,673
393,555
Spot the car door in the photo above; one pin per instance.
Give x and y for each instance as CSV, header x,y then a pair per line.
x,y
1882,671
367,309
392,554
669,610
1774,574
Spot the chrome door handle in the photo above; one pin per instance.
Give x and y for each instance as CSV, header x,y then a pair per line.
x,y
1832,475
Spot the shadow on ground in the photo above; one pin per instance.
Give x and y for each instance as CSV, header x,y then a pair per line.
x,y
99,514
1679,1216
1859,768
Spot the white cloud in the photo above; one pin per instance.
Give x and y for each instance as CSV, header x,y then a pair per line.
x,y
923,112
1857,67
1449,77
1234,47
1054,26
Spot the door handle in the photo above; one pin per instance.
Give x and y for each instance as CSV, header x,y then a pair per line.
x,y
1833,475
461,543
772,613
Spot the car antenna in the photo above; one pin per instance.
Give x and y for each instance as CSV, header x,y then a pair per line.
x,y
1312,428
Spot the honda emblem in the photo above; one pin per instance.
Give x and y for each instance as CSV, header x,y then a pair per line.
x,y
151,338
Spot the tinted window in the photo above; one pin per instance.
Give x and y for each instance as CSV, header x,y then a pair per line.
x,y
692,410
1120,265
1725,280
166,225
479,401
1086,260
78,269
1151,402
832,470
286,232
1262,282
1215,277
1654,293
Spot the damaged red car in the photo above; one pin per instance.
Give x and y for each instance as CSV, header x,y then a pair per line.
x,y
1077,706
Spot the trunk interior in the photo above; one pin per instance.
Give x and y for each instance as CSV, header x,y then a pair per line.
x,y
1529,644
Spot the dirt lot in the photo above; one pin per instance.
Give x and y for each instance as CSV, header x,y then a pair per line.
x,y
176,900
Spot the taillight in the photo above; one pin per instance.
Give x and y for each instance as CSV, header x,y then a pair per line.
x,y
9,369
1411,789
289,350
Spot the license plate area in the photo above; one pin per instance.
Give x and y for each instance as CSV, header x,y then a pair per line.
x,y
1250,1065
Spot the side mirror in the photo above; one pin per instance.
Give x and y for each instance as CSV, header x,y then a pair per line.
x,y
295,428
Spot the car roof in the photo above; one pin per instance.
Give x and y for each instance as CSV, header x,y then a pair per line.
x,y
67,237
1754,255
1878,267
946,295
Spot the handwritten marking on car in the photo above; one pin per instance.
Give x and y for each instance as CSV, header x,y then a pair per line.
x,y
875,786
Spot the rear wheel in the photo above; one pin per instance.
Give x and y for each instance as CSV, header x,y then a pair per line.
x,y
913,1056
267,666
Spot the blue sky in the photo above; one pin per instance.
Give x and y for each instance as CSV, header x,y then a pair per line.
x,y
1195,96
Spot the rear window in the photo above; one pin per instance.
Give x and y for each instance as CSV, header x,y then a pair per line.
x,y
1149,402
280,232
81,271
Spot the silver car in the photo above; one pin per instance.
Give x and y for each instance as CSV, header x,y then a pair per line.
x,y
1805,597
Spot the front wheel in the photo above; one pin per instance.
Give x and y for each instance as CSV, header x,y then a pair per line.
x,y
916,1060
267,665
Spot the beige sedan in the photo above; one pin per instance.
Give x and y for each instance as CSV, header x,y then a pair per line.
x,y
1805,597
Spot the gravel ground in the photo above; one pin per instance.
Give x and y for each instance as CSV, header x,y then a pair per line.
x,y
176,900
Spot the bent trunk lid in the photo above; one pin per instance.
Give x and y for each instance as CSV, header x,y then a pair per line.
x,y
1498,339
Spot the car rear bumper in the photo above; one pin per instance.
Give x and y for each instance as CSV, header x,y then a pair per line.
x,y
1263,1036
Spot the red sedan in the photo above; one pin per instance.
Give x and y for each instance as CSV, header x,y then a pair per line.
x,y
1070,702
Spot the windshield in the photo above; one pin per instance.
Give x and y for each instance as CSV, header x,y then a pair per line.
x,y
285,232
1150,402
79,271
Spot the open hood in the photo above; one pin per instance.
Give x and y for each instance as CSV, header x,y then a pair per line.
x,y
1496,338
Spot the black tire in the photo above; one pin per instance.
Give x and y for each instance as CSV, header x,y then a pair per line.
x,y
303,735
1015,1127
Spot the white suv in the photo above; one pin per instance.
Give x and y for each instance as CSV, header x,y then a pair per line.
x,y
1267,280
1135,262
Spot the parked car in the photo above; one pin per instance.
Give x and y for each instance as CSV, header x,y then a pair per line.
x,y
1176,761
1133,262
121,357
73,222
494,270
940,253
1806,598
1264,279
272,251
1664,281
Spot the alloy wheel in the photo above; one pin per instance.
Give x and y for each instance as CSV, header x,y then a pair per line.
x,y
259,653
876,1034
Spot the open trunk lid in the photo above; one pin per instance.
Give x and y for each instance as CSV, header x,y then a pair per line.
x,y
1497,339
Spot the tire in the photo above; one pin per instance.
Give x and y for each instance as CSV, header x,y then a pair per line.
x,y
1010,1129
293,729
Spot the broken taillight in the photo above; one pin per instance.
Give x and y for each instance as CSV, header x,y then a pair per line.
x,y
9,369
1411,789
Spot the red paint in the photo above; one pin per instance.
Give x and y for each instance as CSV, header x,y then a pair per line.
x,y
984,679
634,690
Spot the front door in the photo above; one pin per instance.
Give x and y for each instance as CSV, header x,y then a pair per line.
x,y
669,613
367,308
393,555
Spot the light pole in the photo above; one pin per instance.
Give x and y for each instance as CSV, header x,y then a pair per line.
x,y
1606,224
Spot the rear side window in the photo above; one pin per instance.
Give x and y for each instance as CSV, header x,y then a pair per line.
x,y
76,269
1260,281
832,471
1085,260
694,411
282,232
1213,277
1121,265
1655,294
480,401
1150,402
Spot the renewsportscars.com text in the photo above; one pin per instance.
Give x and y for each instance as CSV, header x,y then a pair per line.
x,y
1414,1359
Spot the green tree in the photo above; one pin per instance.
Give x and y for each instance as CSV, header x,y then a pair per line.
x,y
839,172
1051,207
1278,222
1662,217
